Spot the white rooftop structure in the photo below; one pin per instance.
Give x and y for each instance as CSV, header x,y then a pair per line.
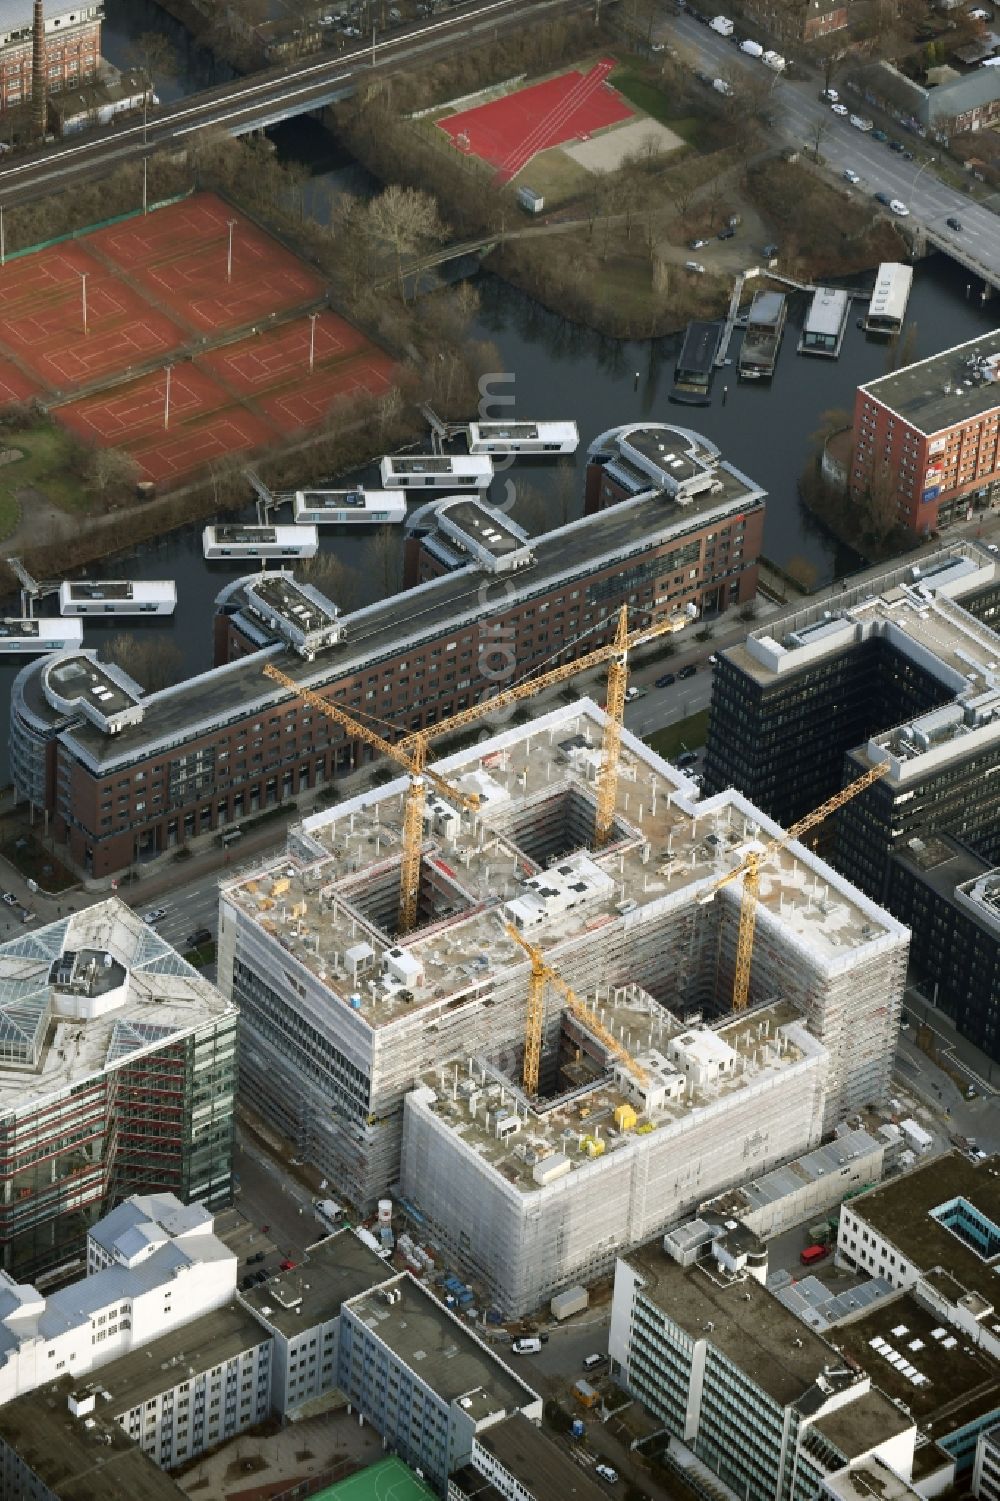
x,y
138,1226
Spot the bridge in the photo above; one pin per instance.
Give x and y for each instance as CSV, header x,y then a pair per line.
x,y
266,98
966,257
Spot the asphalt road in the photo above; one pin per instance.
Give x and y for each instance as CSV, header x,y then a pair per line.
x,y
799,112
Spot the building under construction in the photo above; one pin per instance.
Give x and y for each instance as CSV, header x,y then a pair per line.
x,y
341,1017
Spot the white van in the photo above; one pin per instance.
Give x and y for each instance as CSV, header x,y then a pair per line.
x,y
591,1362
752,49
526,1346
722,87
722,25
776,61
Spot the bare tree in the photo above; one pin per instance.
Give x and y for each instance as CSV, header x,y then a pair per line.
x,y
802,572
332,577
880,503
383,559
407,219
112,473
153,661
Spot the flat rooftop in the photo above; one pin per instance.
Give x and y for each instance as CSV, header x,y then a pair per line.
x,y
147,995
900,1210
80,1463
792,1177
871,1480
916,1358
559,1126
334,1270
827,311
208,1341
440,1350
237,690
955,386
546,1471
535,784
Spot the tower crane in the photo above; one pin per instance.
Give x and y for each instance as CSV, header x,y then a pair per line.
x,y
541,972
413,757
749,869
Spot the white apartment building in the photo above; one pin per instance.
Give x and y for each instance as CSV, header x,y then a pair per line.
x,y
986,1471
152,1283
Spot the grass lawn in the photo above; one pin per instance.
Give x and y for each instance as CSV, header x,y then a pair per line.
x,y
654,101
202,956
687,734
10,513
48,466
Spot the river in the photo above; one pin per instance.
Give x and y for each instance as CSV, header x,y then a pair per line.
x,y
559,370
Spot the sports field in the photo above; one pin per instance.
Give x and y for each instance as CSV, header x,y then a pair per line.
x,y
389,1480
172,288
508,132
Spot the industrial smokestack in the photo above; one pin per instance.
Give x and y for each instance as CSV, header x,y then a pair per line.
x,y
39,71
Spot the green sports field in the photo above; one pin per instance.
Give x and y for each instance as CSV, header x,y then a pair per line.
x,y
389,1480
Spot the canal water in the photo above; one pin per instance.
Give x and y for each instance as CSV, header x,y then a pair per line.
x,y
557,370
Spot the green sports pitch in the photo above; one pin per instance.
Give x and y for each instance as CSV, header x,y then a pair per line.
x,y
389,1480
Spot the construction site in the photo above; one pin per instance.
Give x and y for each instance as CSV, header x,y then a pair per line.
x,y
571,938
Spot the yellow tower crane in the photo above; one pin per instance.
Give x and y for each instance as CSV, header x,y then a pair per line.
x,y
749,869
542,971
413,757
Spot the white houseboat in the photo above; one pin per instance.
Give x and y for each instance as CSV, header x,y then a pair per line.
x,y
437,471
349,507
118,597
890,295
260,541
523,437
32,637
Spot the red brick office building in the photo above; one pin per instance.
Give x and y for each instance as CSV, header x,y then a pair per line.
x,y
72,47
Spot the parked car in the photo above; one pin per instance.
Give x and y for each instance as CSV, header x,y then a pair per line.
x,y
198,937
770,251
850,175
154,915
879,135
722,87
897,146
686,758
591,1362
898,207
606,1473
830,96
907,156
839,109
25,914
287,1265
952,223
247,1282
257,1256
861,122
697,244
260,1277
882,198
727,233
688,671
695,266
667,680
526,1346
10,899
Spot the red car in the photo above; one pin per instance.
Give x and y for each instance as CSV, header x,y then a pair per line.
x,y
286,1265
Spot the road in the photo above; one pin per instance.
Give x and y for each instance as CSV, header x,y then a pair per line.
x,y
799,113
263,98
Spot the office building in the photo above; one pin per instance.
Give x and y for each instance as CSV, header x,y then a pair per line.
x,y
927,434
50,1451
515,1461
759,1401
151,1283
420,1376
340,1018
99,1016
300,1309
72,47
126,776
986,1470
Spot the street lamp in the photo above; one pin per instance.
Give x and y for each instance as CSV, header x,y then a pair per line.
x,y
229,253
83,293
312,340
922,168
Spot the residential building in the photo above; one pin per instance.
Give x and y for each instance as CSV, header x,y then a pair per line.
x,y
806,1188
423,1380
151,1284
803,21
755,1397
49,1451
72,47
190,1390
949,103
99,1015
341,1017
896,670
126,776
986,1470
300,1309
925,436
139,1225
515,1461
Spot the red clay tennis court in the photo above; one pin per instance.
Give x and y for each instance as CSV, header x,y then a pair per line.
x,y
179,257
508,132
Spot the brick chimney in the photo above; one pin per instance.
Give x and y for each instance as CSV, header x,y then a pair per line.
x,y
39,71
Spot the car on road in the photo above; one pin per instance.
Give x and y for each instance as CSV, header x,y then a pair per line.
x,y
992,547
839,109
257,1256
10,899
861,122
897,146
154,915
287,1265
666,681
850,175
25,915
606,1473
898,207
526,1346
830,96
688,671
198,937
882,198
686,758
727,233
952,223
879,135
698,244
907,156
695,266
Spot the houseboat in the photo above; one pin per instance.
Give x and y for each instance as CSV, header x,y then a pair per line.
x,y
118,597
890,294
349,507
260,541
32,637
762,340
696,364
826,320
523,437
437,471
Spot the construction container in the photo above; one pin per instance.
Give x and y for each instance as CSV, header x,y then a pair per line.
x,y
573,1300
625,1118
820,1232
916,1138
585,1394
